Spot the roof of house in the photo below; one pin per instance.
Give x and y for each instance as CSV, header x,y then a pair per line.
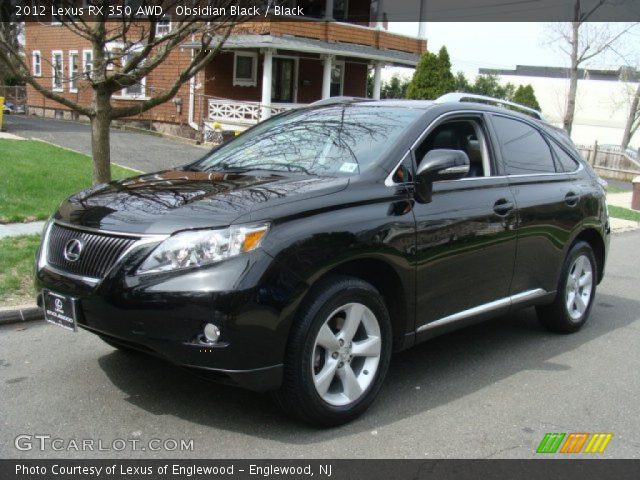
x,y
310,45
622,73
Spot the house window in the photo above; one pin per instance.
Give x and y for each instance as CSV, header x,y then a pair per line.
x,y
340,8
163,26
337,79
73,71
245,65
36,63
113,52
87,63
134,91
137,90
57,70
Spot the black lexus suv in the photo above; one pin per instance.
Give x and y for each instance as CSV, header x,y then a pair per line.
x,y
296,257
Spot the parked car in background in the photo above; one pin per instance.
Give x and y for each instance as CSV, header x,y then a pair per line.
x,y
12,108
296,257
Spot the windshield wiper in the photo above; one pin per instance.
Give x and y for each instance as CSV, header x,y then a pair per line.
x,y
288,167
298,168
225,168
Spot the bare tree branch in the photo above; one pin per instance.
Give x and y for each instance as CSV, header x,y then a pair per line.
x,y
20,69
582,41
197,63
125,50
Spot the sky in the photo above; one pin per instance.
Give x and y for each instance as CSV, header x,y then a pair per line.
x,y
472,45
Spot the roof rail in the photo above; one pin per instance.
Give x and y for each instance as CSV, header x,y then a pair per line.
x,y
461,97
336,100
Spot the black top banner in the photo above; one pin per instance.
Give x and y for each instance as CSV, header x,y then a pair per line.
x,y
544,469
366,12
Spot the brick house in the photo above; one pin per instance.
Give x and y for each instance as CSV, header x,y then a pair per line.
x,y
265,67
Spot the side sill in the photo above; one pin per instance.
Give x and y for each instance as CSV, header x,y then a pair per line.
x,y
496,305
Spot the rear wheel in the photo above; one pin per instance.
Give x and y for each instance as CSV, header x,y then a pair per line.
x,y
576,290
338,353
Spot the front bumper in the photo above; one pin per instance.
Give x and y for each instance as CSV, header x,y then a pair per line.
x,y
247,297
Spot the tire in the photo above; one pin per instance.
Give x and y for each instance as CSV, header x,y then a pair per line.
x,y
576,291
329,380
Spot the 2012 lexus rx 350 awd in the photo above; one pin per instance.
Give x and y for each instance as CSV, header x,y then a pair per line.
x,y
296,257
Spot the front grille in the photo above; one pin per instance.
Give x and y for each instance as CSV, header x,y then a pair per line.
x,y
99,251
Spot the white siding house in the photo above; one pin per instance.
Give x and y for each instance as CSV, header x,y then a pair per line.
x,y
602,103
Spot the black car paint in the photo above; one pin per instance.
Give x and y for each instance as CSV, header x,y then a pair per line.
x,y
443,255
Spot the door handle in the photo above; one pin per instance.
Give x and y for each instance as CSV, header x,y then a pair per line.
x,y
502,207
571,199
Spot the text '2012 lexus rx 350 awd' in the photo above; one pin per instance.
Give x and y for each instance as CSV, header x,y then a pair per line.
x,y
298,256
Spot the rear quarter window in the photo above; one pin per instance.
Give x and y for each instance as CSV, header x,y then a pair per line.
x,y
566,163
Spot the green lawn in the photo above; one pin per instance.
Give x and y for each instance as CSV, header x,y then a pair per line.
x,y
624,213
35,177
16,266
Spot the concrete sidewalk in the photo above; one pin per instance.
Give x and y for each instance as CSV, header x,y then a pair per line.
x,y
17,229
10,136
621,200
619,225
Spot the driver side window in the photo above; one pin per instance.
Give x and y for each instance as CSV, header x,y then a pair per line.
x,y
465,135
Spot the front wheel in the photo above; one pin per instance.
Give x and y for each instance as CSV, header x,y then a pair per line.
x,y
576,290
338,353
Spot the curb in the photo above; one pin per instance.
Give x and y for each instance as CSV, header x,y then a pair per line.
x,y
20,315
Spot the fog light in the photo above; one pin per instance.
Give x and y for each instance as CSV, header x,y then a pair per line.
x,y
211,332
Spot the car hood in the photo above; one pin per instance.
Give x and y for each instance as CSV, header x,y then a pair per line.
x,y
172,200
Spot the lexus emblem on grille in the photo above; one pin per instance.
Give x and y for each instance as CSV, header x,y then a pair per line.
x,y
73,249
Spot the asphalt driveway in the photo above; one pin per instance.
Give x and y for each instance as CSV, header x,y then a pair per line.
x,y
139,151
492,390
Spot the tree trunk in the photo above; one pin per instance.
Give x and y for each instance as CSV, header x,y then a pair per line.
x,y
634,113
100,145
573,79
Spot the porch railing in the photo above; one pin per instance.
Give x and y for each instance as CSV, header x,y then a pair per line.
x,y
242,113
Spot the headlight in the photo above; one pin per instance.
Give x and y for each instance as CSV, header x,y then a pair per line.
x,y
202,247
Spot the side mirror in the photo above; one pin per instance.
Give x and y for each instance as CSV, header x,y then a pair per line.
x,y
439,164
443,164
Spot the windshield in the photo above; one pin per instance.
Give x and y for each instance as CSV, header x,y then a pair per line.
x,y
335,141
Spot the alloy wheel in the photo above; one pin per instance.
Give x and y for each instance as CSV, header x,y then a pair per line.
x,y
579,287
346,354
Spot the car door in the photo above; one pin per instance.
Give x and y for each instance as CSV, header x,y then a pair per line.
x,y
465,236
548,202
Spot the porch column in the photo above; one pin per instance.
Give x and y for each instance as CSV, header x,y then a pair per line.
x,y
328,10
422,24
265,109
326,76
422,30
380,16
377,80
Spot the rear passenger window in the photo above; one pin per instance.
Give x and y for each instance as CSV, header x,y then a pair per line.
x,y
524,149
567,163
